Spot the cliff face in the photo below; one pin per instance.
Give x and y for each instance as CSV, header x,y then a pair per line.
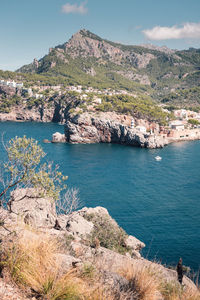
x,y
90,244
84,44
21,113
102,128
56,112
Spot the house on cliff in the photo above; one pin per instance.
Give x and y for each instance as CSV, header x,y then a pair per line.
x,y
177,125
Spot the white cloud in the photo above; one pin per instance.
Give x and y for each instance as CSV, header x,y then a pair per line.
x,y
187,31
75,8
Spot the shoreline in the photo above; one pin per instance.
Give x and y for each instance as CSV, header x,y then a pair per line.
x,y
169,140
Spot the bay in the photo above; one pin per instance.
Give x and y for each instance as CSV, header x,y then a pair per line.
x,y
156,201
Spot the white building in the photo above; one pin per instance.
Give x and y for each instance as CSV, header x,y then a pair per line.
x,y
13,84
30,92
37,96
177,125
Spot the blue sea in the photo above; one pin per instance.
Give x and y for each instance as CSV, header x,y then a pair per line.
x,y
156,201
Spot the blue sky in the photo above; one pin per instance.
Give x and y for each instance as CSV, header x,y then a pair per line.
x,y
28,28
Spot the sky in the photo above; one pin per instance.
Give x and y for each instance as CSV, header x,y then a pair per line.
x,y
28,28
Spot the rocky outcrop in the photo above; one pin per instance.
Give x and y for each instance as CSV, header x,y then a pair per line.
x,y
58,137
7,90
28,207
82,45
33,209
85,44
92,128
140,60
9,291
74,236
22,113
143,79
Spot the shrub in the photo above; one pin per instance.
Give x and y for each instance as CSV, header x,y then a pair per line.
x,y
193,122
109,234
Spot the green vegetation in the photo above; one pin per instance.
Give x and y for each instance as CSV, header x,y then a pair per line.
x,y
193,122
184,97
30,79
7,103
141,107
24,168
107,233
32,102
174,71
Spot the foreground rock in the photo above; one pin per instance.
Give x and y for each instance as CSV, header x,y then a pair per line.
x,y
88,237
93,128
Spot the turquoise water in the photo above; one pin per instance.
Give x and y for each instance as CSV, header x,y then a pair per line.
x,y
158,202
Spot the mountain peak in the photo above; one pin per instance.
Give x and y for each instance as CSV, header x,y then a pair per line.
x,y
86,34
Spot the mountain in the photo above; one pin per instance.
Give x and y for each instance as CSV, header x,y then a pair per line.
x,y
90,60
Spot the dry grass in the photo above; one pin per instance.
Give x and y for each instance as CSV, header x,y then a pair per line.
x,y
147,285
174,291
30,259
99,293
31,263
142,283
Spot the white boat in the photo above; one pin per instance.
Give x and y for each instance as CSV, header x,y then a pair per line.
x,y
158,157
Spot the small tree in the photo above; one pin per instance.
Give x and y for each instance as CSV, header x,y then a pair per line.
x,y
193,122
24,169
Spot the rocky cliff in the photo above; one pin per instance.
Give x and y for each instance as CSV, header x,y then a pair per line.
x,y
22,113
91,244
108,128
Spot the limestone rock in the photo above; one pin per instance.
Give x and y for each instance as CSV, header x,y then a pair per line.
x,y
41,213
133,243
66,262
103,128
143,79
32,209
78,225
22,113
58,138
141,60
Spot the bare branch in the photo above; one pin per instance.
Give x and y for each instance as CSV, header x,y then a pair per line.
x,y
70,202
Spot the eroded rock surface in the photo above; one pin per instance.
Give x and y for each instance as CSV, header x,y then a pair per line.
x,y
58,137
32,209
75,250
92,128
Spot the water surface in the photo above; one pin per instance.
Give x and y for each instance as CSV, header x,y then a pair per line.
x,y
158,202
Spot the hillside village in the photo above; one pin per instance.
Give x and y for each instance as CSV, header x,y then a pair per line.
x,y
184,125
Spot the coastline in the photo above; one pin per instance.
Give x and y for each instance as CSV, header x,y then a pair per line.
x,y
102,128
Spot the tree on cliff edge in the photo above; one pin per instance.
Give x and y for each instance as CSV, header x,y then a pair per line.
x,y
23,169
